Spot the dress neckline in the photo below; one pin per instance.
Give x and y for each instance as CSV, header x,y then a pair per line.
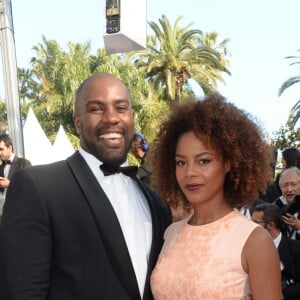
x,y
222,219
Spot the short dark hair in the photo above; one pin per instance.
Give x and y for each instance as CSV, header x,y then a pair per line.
x,y
272,213
6,139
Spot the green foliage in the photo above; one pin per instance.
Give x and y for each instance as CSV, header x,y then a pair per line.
x,y
286,137
294,114
176,54
3,116
154,77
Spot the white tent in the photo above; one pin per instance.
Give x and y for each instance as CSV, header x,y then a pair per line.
x,y
37,147
62,147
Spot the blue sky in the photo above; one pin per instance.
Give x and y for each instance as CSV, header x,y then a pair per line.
x,y
261,34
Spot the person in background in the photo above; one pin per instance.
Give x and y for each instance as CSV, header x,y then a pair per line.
x,y
290,158
139,149
10,163
289,182
268,215
87,227
206,153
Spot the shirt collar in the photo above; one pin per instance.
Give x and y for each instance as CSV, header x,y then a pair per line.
x,y
283,200
277,240
95,163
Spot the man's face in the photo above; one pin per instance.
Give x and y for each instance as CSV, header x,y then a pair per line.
x,y
105,119
290,186
5,152
257,217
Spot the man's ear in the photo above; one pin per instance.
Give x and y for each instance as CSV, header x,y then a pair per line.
x,y
76,120
270,225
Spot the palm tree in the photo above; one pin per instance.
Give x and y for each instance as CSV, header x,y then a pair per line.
x,y
175,55
28,87
294,113
59,74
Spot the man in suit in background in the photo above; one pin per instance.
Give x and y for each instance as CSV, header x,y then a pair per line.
x,y
10,163
80,228
269,216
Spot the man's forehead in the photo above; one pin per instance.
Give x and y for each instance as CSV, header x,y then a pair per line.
x,y
290,177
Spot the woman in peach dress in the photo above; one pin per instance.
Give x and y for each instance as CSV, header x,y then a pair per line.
x,y
213,156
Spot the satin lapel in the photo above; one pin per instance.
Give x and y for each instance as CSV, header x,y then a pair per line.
x,y
107,223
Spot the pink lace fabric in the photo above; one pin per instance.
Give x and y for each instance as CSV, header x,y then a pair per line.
x,y
203,262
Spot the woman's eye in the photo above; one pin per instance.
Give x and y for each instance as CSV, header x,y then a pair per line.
x,y
204,161
180,163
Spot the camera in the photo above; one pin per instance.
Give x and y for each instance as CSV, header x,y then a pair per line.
x,y
294,206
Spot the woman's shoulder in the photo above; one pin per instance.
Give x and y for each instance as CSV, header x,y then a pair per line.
x,y
173,229
175,226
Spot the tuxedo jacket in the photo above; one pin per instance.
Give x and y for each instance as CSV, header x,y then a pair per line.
x,y
289,253
16,164
60,238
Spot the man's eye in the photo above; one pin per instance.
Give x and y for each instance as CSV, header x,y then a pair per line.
x,y
95,109
121,108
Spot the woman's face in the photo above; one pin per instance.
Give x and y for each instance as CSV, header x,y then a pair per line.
x,y
283,163
200,170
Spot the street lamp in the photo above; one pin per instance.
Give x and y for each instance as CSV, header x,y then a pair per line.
x,y
9,64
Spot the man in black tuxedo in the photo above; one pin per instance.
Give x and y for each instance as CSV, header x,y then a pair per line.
x,y
80,228
10,163
269,216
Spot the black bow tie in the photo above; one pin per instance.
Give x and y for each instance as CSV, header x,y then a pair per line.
x,y
130,171
6,162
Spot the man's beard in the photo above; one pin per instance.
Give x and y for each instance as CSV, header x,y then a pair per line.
x,y
112,157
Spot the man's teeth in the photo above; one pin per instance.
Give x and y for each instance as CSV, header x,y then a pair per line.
x,y
111,135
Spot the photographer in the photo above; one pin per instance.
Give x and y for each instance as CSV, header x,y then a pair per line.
x,y
291,217
290,186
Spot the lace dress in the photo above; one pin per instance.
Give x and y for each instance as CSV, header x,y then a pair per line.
x,y
203,262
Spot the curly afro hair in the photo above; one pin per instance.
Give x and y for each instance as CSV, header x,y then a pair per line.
x,y
231,132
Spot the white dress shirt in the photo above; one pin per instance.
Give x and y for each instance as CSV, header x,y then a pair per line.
x,y
132,210
277,242
6,171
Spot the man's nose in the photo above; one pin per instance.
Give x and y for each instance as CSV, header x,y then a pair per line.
x,y
110,116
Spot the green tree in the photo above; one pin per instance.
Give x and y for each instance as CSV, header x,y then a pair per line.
x,y
28,86
294,113
176,54
286,137
59,73
3,116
